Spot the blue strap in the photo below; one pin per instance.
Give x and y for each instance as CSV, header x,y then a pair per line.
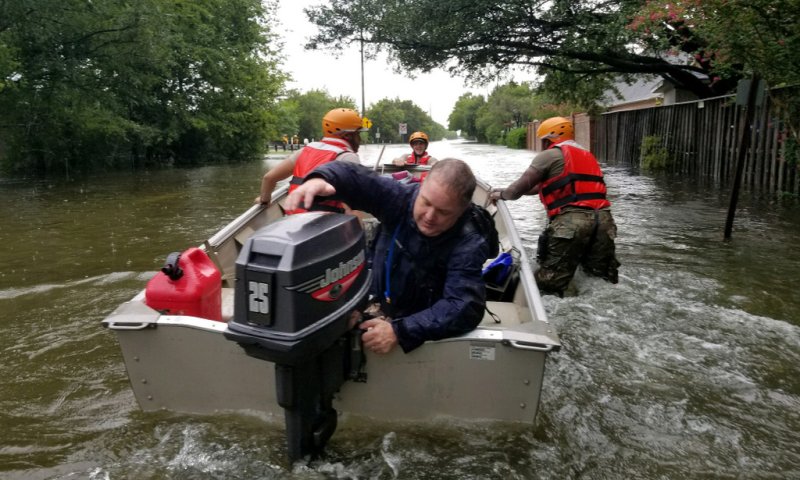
x,y
387,266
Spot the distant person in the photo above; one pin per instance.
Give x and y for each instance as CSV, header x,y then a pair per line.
x,y
341,129
581,230
428,257
419,154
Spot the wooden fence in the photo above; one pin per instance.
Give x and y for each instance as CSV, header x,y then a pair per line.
x,y
701,141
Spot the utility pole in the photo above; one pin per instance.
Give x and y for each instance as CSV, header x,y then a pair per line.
x,y
363,102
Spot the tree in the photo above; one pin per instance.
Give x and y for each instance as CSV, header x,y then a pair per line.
x,y
310,108
464,113
585,41
89,85
753,36
734,35
509,106
387,114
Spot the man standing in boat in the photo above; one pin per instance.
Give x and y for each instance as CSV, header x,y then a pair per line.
x,y
581,230
428,257
419,151
341,128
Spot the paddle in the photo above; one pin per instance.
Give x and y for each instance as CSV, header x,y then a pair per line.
x,y
378,161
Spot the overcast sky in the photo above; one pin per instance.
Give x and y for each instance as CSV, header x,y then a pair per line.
x,y
434,92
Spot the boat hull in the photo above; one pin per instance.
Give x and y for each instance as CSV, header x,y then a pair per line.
x,y
185,364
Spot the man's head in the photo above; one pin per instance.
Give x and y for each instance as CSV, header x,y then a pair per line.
x,y
556,130
444,196
419,142
344,123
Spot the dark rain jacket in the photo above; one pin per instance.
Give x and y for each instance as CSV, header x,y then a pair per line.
x,y
434,289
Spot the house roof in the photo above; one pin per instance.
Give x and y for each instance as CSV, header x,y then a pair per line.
x,y
644,88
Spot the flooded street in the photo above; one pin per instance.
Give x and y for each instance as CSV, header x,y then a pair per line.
x,y
688,368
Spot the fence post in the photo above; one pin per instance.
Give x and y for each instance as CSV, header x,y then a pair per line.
x,y
744,144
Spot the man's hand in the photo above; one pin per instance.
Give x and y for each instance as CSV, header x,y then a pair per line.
x,y
399,161
496,194
378,335
304,195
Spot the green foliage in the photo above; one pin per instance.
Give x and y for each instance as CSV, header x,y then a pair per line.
x,y
303,114
729,39
654,156
791,151
91,85
307,110
517,138
464,115
576,96
386,115
583,45
509,106
734,35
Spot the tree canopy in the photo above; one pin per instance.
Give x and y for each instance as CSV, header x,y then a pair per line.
x,y
509,107
302,116
582,47
386,116
307,110
464,115
86,85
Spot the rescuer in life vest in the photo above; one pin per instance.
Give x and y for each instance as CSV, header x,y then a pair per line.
x,y
341,130
581,230
419,154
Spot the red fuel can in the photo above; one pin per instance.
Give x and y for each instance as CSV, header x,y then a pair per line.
x,y
189,284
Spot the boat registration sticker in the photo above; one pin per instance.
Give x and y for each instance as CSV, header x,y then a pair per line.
x,y
481,352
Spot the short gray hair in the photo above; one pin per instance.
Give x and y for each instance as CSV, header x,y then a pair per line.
x,y
457,175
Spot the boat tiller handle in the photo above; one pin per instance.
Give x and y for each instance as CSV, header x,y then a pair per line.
x,y
536,347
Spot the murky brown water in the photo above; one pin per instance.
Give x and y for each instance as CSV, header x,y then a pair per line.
x,y
690,367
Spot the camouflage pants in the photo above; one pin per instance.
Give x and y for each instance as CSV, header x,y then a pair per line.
x,y
576,237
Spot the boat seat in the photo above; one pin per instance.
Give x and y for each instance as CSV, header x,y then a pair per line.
x,y
503,290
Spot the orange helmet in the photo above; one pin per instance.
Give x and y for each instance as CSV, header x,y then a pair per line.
x,y
556,129
418,136
339,121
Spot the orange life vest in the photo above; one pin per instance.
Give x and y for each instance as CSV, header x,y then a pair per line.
x,y
422,160
313,155
581,183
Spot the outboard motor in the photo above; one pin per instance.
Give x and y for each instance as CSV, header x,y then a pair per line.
x,y
297,282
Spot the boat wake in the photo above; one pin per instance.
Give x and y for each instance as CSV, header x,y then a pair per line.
x,y
106,279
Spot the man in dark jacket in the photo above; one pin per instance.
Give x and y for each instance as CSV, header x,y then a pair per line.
x,y
428,257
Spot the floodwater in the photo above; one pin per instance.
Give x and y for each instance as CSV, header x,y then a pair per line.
x,y
688,368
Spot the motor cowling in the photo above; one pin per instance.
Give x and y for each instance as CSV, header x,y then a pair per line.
x,y
297,282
